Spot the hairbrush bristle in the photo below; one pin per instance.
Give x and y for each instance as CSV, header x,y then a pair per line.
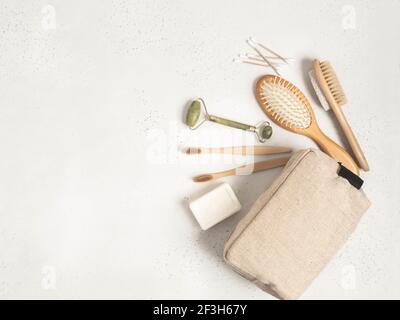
x,y
284,103
333,83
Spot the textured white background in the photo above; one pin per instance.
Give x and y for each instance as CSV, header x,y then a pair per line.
x,y
93,192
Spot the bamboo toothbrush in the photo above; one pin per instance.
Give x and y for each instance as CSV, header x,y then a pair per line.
x,y
242,150
332,96
246,169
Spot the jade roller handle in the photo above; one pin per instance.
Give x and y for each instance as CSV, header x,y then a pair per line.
x,y
231,123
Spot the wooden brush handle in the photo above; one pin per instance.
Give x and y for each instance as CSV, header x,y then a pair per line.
x,y
351,138
244,170
257,166
335,151
269,164
260,150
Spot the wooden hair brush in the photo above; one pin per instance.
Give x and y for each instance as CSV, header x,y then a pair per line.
x,y
287,106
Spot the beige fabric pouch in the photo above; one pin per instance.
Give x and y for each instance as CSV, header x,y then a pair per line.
x,y
296,226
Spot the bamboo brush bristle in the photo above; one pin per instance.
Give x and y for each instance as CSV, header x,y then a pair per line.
x,y
203,178
192,150
333,83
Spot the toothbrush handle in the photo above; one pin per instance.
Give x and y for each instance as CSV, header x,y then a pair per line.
x,y
243,150
270,164
254,167
230,123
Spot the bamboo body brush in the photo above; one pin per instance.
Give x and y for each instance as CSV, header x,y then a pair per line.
x,y
332,96
287,106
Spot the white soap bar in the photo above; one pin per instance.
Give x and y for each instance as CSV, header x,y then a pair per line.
x,y
215,206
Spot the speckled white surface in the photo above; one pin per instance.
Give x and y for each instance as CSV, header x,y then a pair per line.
x,y
93,193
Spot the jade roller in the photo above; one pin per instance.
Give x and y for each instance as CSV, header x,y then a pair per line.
x,y
197,108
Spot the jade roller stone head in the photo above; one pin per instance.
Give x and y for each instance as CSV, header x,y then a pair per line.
x,y
197,107
193,114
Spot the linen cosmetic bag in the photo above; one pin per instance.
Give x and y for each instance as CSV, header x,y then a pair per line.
x,y
296,226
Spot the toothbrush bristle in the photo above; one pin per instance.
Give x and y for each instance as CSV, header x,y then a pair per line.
x,y
192,150
203,178
333,83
